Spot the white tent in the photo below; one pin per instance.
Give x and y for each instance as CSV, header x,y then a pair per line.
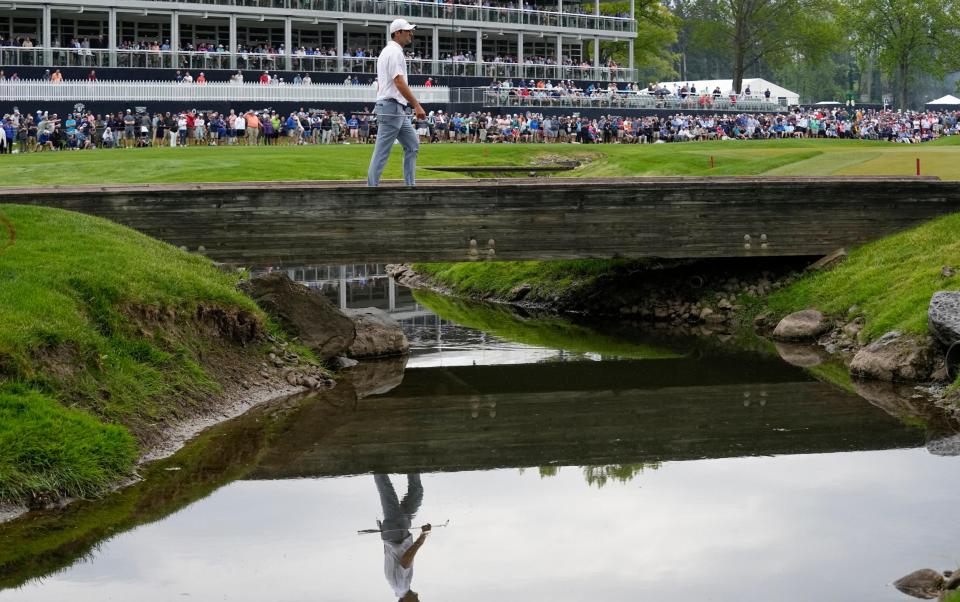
x,y
948,100
757,87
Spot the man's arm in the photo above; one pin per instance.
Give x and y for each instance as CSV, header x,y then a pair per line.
x,y
407,93
407,558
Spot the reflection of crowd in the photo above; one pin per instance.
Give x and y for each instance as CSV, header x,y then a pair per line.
x,y
45,132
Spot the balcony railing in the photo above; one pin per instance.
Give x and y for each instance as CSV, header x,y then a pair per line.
x,y
201,61
460,12
620,99
156,91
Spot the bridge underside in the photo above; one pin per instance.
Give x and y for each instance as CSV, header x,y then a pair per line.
x,y
300,223
577,414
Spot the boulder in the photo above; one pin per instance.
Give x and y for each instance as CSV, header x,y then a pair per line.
x,y
925,583
378,335
943,316
897,358
303,313
806,324
376,377
803,356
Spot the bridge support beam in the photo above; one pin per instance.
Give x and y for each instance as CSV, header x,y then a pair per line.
x,y
286,224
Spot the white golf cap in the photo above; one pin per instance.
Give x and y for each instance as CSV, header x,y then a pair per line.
x,y
401,25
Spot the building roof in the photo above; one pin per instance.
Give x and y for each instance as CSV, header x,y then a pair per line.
x,y
949,99
757,86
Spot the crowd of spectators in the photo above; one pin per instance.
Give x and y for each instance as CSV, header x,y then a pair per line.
x,y
44,132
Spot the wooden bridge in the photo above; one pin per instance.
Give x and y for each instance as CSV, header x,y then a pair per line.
x,y
298,223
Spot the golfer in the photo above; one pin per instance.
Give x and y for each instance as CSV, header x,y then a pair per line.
x,y
393,98
399,547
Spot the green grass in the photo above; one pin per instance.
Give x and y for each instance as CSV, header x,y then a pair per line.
x,y
45,446
541,331
96,317
890,280
497,278
731,158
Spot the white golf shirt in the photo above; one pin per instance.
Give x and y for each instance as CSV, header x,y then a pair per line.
x,y
390,64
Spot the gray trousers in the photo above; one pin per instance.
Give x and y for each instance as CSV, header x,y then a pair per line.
x,y
397,515
392,124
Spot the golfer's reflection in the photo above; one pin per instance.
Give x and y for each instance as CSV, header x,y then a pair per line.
x,y
399,547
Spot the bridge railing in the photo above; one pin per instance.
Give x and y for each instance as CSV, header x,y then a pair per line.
x,y
91,91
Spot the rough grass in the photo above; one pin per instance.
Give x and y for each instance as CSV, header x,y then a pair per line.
x,y
70,286
496,278
890,281
731,158
45,446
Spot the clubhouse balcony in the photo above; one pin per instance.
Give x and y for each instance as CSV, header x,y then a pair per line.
x,y
12,57
461,38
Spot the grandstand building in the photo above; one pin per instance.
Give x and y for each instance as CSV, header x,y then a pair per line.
x,y
459,42
110,55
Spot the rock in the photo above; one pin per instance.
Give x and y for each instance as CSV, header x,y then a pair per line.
x,y
343,362
895,357
946,446
378,335
518,293
953,580
292,378
762,319
828,261
303,313
705,312
725,304
804,356
943,316
925,583
947,271
806,324
376,377
852,329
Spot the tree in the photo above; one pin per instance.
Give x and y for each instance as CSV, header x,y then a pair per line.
x,y
768,33
910,38
656,33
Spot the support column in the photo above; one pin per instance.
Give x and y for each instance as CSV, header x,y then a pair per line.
x,y
520,53
479,51
233,41
559,57
112,36
288,42
391,294
343,287
630,57
596,57
339,46
175,39
47,36
436,51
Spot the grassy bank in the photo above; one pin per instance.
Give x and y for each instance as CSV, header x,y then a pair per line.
x,y
546,279
730,158
100,346
889,281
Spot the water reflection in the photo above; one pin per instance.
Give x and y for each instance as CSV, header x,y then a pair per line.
x,y
720,474
399,547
